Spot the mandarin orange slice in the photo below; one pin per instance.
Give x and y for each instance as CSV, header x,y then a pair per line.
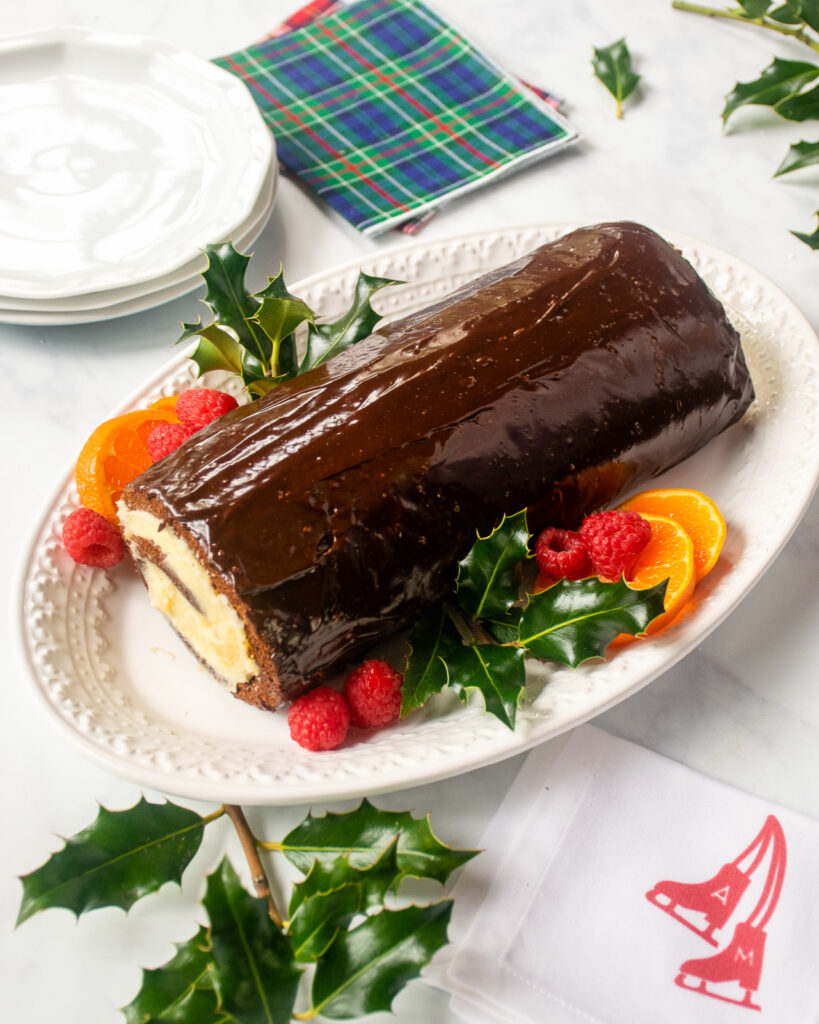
x,y
167,402
113,455
695,512
668,555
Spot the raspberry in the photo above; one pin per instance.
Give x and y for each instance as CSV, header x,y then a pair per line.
x,y
562,554
200,406
613,540
92,540
373,692
166,438
319,719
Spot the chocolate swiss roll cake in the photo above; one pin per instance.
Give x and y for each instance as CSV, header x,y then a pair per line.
x,y
296,531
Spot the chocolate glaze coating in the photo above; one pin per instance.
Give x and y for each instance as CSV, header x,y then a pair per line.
x,y
335,507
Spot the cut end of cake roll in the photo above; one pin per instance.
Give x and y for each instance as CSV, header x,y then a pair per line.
x,y
198,604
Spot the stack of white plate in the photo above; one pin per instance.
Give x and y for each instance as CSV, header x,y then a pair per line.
x,y
121,158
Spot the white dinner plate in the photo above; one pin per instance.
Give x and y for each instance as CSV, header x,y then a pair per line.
x,y
138,298
110,671
189,273
120,157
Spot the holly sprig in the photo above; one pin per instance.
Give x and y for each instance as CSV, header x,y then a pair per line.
x,y
342,947
254,335
477,639
613,67
788,87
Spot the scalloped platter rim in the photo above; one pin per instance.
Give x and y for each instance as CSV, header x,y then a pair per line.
x,y
111,673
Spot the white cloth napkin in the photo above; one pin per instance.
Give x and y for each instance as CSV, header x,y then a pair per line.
x,y
566,916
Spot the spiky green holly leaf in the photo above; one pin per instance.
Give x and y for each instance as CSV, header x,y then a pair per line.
x,y
179,992
332,894
812,240
785,15
318,918
366,967
613,67
498,673
279,314
803,107
217,348
374,881
364,833
229,300
254,972
800,154
779,84
327,340
488,582
260,387
577,620
807,11
432,639
121,857
755,8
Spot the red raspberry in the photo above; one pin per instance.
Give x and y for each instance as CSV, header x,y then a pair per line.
x,y
319,719
373,691
92,540
200,406
562,554
166,438
613,540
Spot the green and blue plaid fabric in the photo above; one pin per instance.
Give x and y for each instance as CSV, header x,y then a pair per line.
x,y
385,110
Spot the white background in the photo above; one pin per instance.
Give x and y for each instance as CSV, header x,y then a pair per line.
x,y
743,707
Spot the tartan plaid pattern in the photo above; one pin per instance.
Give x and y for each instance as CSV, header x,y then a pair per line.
x,y
385,110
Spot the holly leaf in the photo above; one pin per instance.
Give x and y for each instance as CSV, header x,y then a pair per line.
x,y
497,672
327,340
807,11
364,833
254,973
612,66
432,640
279,314
803,107
332,894
577,620
374,881
778,84
179,992
121,857
811,240
257,388
785,15
755,8
488,582
318,919
801,154
217,349
366,967
229,300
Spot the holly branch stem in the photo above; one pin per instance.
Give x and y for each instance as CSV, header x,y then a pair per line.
x,y
736,14
257,872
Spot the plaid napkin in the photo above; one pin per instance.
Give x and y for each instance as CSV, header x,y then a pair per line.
x,y
385,110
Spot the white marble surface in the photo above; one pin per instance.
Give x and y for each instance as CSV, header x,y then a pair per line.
x,y
743,707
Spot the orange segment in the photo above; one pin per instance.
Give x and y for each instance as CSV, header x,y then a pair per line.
x,y
113,455
668,555
168,402
695,512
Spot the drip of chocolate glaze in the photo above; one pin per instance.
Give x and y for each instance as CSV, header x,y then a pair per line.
x,y
336,507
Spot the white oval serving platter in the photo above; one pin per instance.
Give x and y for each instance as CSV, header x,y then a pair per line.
x,y
112,674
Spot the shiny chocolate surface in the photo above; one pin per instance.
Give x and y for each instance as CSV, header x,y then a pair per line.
x,y
337,505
